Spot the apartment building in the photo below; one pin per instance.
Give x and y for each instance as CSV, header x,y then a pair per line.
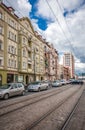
x,y
21,50
66,73
51,62
68,61
63,72
8,44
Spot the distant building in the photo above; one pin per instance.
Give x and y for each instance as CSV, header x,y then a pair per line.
x,y
68,61
63,72
51,62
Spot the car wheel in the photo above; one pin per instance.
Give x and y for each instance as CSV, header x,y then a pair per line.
x,y
38,89
6,96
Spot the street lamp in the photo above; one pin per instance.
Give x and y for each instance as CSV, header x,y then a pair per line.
x,y
34,65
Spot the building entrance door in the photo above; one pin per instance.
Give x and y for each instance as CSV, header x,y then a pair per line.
x,y
10,78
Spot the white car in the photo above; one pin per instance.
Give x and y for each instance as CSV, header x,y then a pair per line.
x,y
11,89
37,86
56,83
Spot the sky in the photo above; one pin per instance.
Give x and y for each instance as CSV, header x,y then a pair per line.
x,y
60,22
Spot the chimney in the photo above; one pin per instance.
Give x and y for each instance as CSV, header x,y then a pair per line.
x,y
11,10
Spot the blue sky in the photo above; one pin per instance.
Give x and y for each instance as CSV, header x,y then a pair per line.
x,y
42,22
64,27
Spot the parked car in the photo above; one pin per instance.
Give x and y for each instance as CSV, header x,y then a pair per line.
x,y
11,89
63,82
37,86
25,85
49,83
56,83
81,82
77,82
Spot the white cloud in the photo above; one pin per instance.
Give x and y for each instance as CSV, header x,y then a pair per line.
x,y
22,7
72,38
71,4
62,40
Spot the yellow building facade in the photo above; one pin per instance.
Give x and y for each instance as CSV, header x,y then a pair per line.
x,y
21,50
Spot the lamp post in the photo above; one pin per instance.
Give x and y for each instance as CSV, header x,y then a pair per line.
x,y
34,65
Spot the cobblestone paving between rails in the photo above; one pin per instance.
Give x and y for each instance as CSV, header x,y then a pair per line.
x,y
77,121
20,120
55,120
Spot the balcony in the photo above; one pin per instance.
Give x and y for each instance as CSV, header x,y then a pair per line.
x,y
29,60
30,70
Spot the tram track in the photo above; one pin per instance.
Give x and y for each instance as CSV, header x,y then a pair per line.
x,y
67,121
7,103
27,102
40,119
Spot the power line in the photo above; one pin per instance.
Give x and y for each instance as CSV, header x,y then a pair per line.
x,y
14,8
65,22
53,14
64,18
69,42
60,25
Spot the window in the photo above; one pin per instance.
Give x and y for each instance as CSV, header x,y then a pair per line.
x,y
12,63
24,65
0,15
1,30
1,61
24,52
1,45
12,49
12,23
12,36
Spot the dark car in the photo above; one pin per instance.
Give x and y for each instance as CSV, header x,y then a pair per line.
x,y
77,82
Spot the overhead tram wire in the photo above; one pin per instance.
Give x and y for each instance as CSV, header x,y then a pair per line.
x,y
64,19
14,8
60,26
50,9
66,23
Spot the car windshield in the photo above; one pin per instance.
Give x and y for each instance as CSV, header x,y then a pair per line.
x,y
5,86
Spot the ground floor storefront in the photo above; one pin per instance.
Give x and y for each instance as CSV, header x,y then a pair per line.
x,y
13,76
